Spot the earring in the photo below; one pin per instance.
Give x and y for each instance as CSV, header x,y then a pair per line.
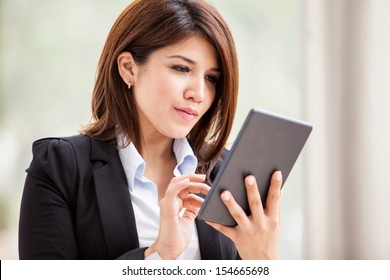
x,y
129,85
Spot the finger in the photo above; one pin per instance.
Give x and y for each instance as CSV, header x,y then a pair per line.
x,y
192,200
254,198
194,188
192,177
177,185
235,209
190,214
191,211
192,205
273,197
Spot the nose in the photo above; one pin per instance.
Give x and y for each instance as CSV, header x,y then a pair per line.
x,y
196,90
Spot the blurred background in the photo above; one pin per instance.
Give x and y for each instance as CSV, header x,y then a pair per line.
x,y
324,61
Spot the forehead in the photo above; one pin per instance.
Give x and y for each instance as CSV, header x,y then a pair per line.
x,y
195,48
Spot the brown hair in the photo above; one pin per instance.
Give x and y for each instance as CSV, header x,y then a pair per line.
x,y
142,28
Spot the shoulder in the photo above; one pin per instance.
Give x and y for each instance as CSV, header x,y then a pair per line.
x,y
68,153
58,154
54,165
52,148
219,163
59,143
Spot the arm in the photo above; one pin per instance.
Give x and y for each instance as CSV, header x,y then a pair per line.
x,y
46,225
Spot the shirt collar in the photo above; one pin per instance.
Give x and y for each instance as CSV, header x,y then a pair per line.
x,y
134,165
185,158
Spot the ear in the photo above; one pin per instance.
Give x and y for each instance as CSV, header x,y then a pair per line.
x,y
127,67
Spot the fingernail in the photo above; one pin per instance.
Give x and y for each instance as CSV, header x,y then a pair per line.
x,y
278,175
225,196
250,180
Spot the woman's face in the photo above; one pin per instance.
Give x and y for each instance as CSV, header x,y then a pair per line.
x,y
175,87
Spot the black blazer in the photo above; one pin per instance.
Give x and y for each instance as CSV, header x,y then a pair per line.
x,y
76,205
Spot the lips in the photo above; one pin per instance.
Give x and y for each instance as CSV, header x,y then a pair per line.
x,y
186,113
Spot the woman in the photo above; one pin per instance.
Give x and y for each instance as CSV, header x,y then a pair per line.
x,y
127,187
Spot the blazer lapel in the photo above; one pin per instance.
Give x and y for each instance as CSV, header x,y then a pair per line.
x,y
114,200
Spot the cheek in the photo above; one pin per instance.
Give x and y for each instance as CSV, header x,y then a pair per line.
x,y
153,88
166,85
210,97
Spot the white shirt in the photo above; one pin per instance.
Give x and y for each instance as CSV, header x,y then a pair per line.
x,y
144,194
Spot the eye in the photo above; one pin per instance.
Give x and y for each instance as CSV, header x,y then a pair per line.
x,y
181,68
212,78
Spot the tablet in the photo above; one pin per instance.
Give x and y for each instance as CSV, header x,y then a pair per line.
x,y
266,142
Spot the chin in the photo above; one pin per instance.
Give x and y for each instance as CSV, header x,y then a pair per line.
x,y
180,133
177,131
179,136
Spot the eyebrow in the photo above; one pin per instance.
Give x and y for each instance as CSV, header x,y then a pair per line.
x,y
190,61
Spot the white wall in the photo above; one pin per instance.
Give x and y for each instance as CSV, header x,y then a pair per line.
x,y
347,97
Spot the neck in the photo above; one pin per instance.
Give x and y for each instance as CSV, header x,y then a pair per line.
x,y
157,150
159,160
156,147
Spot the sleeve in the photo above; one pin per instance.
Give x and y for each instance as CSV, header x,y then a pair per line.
x,y
46,224
135,254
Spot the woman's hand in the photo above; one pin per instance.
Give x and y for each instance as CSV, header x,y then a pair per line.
x,y
256,236
176,230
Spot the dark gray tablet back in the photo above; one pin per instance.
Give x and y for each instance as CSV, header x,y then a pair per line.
x,y
266,142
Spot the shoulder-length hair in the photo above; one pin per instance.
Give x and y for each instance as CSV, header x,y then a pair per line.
x,y
142,28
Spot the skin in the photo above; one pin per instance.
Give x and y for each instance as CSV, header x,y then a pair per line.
x,y
173,90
